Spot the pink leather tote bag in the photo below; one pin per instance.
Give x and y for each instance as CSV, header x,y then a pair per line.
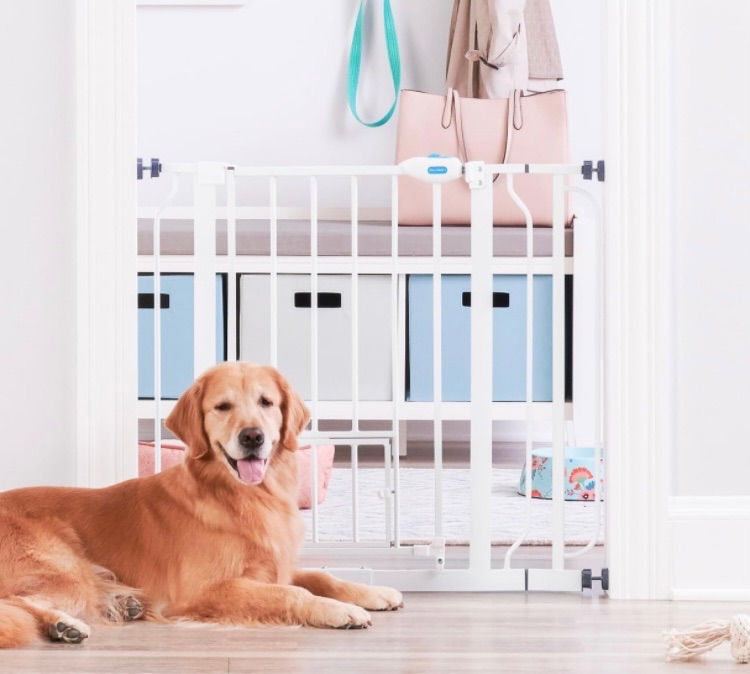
x,y
474,129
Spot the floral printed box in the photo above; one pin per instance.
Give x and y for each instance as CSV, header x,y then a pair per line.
x,y
580,484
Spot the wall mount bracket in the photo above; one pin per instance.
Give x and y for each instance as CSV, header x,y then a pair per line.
x,y
154,168
588,170
587,579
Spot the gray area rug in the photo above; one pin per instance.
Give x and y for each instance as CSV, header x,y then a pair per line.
x,y
417,509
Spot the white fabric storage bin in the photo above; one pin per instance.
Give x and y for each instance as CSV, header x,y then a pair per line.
x,y
334,332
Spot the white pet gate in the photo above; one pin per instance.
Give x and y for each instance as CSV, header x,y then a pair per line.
x,y
419,566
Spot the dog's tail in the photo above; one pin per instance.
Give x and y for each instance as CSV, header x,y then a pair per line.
x,y
17,627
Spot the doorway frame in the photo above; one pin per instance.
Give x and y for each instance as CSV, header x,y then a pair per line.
x,y
638,364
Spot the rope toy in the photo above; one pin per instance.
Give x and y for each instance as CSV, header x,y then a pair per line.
x,y
705,637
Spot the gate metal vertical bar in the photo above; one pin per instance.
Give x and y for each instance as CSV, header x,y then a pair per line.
x,y
480,551
157,342
273,225
396,370
529,363
314,488
437,353
314,319
400,352
231,318
387,452
314,301
355,302
355,492
558,372
355,352
207,177
157,319
599,295
597,373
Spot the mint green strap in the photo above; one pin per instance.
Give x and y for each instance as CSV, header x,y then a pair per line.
x,y
355,59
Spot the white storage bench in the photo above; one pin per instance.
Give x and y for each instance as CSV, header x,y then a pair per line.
x,y
375,328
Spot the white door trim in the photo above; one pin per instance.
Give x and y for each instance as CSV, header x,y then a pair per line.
x,y
106,241
639,364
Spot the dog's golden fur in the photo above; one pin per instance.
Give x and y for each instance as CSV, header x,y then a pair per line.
x,y
193,542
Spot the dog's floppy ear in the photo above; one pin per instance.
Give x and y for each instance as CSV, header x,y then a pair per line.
x,y
294,411
186,420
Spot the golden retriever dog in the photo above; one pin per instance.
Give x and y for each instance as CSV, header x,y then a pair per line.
x,y
213,539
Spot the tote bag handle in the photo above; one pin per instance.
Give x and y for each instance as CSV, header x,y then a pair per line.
x,y
355,60
452,111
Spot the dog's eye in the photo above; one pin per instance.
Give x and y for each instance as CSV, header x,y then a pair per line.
x,y
265,402
223,407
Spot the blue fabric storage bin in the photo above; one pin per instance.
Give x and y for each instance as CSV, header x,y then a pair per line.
x,y
509,339
176,333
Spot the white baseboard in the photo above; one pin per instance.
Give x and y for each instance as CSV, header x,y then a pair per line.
x,y
710,547
713,594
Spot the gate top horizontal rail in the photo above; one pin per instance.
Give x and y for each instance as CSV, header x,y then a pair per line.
x,y
358,170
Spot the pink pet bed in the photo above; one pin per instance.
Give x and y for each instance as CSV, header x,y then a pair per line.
x,y
173,452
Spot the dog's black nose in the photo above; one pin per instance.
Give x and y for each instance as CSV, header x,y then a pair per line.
x,y
251,438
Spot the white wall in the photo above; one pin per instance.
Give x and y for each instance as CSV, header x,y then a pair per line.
x,y
265,83
37,243
709,508
711,221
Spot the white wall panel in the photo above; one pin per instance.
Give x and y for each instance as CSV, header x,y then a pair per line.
x,y
711,207
38,244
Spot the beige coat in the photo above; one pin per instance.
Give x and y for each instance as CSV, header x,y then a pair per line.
x,y
496,46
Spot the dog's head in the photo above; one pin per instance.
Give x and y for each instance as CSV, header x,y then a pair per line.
x,y
240,414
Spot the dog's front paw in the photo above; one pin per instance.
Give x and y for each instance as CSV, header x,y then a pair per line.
x,y
68,630
332,613
378,598
126,608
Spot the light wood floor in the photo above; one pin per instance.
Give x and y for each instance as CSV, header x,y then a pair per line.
x,y
435,633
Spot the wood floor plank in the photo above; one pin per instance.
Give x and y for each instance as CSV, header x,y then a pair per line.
x,y
435,633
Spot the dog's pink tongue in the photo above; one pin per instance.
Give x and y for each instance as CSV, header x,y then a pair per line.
x,y
251,470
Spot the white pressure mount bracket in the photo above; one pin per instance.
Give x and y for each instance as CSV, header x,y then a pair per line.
x,y
154,168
